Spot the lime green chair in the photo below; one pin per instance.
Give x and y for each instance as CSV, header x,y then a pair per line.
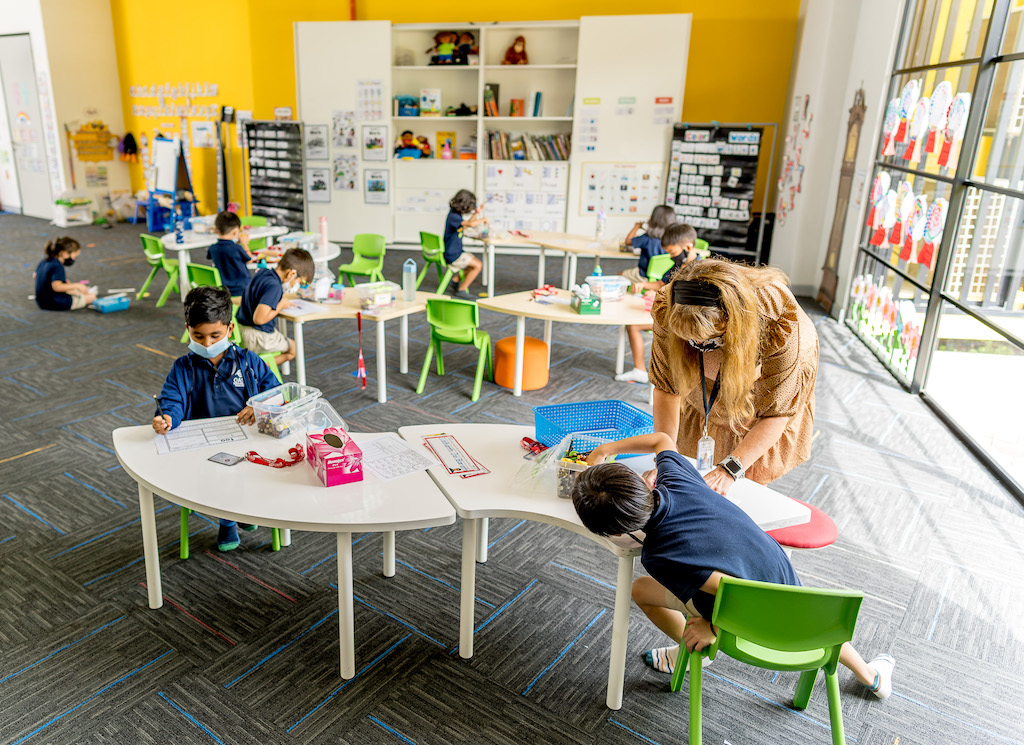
x,y
154,251
201,275
703,248
275,535
367,259
433,253
456,321
256,244
778,627
657,266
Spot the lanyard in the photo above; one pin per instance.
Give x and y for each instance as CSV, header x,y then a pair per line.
x,y
704,392
296,454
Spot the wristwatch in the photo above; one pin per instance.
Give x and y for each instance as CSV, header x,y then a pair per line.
x,y
732,466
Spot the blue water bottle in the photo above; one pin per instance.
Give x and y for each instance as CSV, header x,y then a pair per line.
x,y
179,226
409,280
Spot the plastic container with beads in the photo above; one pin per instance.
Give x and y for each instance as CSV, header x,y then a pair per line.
x,y
375,297
284,410
609,289
572,461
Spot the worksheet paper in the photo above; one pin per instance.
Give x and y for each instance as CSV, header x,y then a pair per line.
x,y
303,308
390,458
201,433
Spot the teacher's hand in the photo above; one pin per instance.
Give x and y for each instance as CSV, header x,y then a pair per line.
x,y
719,480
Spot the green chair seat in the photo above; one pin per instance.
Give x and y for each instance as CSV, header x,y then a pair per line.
x,y
657,266
456,322
367,259
153,248
433,253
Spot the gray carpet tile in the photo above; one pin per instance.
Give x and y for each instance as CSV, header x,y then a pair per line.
x,y
245,647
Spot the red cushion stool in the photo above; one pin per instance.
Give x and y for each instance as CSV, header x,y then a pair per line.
x,y
817,532
535,363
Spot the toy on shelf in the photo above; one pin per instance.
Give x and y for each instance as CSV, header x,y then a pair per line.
x,y
410,147
444,48
467,52
406,106
461,110
516,54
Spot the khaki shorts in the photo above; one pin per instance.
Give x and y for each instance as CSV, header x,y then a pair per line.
x,y
671,601
78,302
462,262
634,276
261,342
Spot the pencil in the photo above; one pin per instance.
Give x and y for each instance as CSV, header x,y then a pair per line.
x,y
158,408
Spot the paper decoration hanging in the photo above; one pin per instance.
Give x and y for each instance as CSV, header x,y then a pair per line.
x,y
918,131
904,206
878,189
956,123
914,227
908,101
885,218
934,225
938,108
889,125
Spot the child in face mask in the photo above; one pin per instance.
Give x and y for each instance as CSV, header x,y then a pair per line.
x,y
53,291
263,299
215,378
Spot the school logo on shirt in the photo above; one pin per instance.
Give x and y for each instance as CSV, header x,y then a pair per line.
x,y
237,380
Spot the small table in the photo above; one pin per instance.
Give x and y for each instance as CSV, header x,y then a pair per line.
x,y
288,498
202,240
571,246
628,311
348,308
495,494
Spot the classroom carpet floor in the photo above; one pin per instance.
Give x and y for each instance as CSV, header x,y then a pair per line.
x,y
245,649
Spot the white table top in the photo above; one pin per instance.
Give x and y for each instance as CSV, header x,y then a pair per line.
x,y
290,498
496,494
628,311
567,242
349,308
201,240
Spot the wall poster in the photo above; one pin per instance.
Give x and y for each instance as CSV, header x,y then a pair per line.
x,y
621,188
318,184
375,140
316,142
376,191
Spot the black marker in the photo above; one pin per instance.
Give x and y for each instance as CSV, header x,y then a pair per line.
x,y
156,400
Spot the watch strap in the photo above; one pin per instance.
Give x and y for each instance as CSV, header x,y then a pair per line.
x,y
731,464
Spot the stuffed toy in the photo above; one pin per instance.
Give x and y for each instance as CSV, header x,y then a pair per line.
x,y
467,48
516,54
444,46
409,146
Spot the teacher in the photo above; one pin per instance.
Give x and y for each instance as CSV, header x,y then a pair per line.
x,y
733,364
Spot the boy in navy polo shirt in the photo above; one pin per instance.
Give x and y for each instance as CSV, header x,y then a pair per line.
x,y
216,378
230,253
462,215
263,299
694,537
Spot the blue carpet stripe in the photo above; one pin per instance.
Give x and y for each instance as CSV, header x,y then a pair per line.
x,y
130,390
392,730
814,491
25,509
282,648
47,411
53,354
581,574
938,608
497,613
514,527
436,579
331,556
90,487
86,362
191,718
8,538
91,442
562,654
395,618
471,403
776,704
955,718
571,388
338,690
633,732
98,693
41,660
169,549
24,385
109,532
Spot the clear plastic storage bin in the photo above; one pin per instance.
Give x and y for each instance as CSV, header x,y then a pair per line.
x,y
285,409
377,296
610,288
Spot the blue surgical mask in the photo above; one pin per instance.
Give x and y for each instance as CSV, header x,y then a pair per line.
x,y
208,353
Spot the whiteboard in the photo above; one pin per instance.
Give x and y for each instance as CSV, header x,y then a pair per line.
x,y
165,161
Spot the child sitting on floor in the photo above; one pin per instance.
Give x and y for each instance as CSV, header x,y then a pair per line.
x,y
264,298
230,254
693,538
216,378
464,214
678,241
53,291
650,243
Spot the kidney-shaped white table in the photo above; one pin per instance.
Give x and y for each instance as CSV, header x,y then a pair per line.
x,y
290,498
497,494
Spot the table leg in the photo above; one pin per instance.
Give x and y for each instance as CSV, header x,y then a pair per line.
x,y
489,251
572,270
183,283
300,354
286,368
467,592
346,627
620,350
150,547
565,272
382,379
547,338
481,540
517,384
620,633
286,537
389,553
540,268
403,353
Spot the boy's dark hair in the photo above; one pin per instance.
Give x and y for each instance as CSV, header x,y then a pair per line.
x,y
208,305
300,260
612,499
226,222
679,234
64,243
660,218
463,202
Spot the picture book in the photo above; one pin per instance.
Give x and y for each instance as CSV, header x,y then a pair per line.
x,y
430,102
443,137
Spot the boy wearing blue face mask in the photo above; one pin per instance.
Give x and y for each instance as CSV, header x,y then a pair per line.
x,y
264,298
215,378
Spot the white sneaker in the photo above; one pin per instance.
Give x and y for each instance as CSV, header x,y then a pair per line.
x,y
883,665
636,375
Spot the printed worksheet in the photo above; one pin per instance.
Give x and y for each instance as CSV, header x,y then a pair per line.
x,y
200,433
390,458
303,308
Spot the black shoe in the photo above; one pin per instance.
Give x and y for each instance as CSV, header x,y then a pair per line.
x,y
463,295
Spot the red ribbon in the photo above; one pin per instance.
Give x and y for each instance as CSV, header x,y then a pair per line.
x,y
361,370
889,148
924,256
296,454
901,131
908,247
929,144
896,236
944,153
878,238
871,216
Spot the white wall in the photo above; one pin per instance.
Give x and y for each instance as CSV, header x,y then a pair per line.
x,y
840,47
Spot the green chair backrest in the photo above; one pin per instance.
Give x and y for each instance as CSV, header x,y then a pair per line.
x,y
201,275
153,249
657,267
433,248
782,617
254,221
236,334
703,248
452,319
368,244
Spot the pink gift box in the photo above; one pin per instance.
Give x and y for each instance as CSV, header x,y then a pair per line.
x,y
334,456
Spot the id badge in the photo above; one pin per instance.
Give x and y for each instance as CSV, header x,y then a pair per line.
x,y
705,454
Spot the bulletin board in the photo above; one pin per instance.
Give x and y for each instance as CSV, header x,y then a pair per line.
x,y
617,189
526,195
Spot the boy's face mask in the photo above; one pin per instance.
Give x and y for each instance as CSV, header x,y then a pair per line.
x,y
208,353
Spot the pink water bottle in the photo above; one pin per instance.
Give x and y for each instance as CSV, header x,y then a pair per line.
x,y
323,236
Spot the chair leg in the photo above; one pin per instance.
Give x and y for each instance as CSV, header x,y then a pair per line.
x,y
804,686
183,543
145,286
172,284
696,682
835,708
275,539
478,380
444,280
440,358
426,368
423,274
490,363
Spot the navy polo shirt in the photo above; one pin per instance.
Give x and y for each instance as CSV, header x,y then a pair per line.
x,y
452,237
230,259
48,272
694,531
648,247
265,289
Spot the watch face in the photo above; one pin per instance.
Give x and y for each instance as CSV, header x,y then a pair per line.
x,y
732,467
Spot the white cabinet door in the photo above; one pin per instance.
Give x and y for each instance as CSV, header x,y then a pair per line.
x,y
17,72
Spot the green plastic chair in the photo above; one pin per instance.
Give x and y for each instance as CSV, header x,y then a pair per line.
x,y
154,251
778,627
201,275
456,321
367,259
275,535
256,244
657,266
433,253
703,248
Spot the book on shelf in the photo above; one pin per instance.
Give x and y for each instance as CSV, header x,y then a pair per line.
x,y
443,137
491,100
430,102
505,146
517,107
537,104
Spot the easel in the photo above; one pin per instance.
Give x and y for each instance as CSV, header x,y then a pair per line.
x,y
170,178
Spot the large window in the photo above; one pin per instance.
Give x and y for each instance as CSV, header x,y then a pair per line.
x,y
939,287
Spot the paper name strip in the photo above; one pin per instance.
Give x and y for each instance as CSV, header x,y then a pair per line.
x,y
201,433
453,456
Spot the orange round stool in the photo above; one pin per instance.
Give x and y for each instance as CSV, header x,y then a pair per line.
x,y
535,363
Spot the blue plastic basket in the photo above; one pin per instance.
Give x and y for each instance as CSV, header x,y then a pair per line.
x,y
613,420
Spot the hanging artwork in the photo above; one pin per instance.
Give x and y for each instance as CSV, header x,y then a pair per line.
x,y
343,128
933,228
908,102
938,109
918,131
889,125
318,184
375,141
904,206
316,141
885,218
791,180
346,173
956,124
915,227
878,189
376,191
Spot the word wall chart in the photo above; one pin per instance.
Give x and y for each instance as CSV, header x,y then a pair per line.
x,y
632,189
526,195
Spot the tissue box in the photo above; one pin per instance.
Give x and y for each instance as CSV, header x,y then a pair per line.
x,y
109,304
334,456
590,306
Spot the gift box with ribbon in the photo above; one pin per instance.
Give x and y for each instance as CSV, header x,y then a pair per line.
x,y
334,456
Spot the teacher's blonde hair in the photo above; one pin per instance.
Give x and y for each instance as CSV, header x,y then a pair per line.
x,y
736,319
